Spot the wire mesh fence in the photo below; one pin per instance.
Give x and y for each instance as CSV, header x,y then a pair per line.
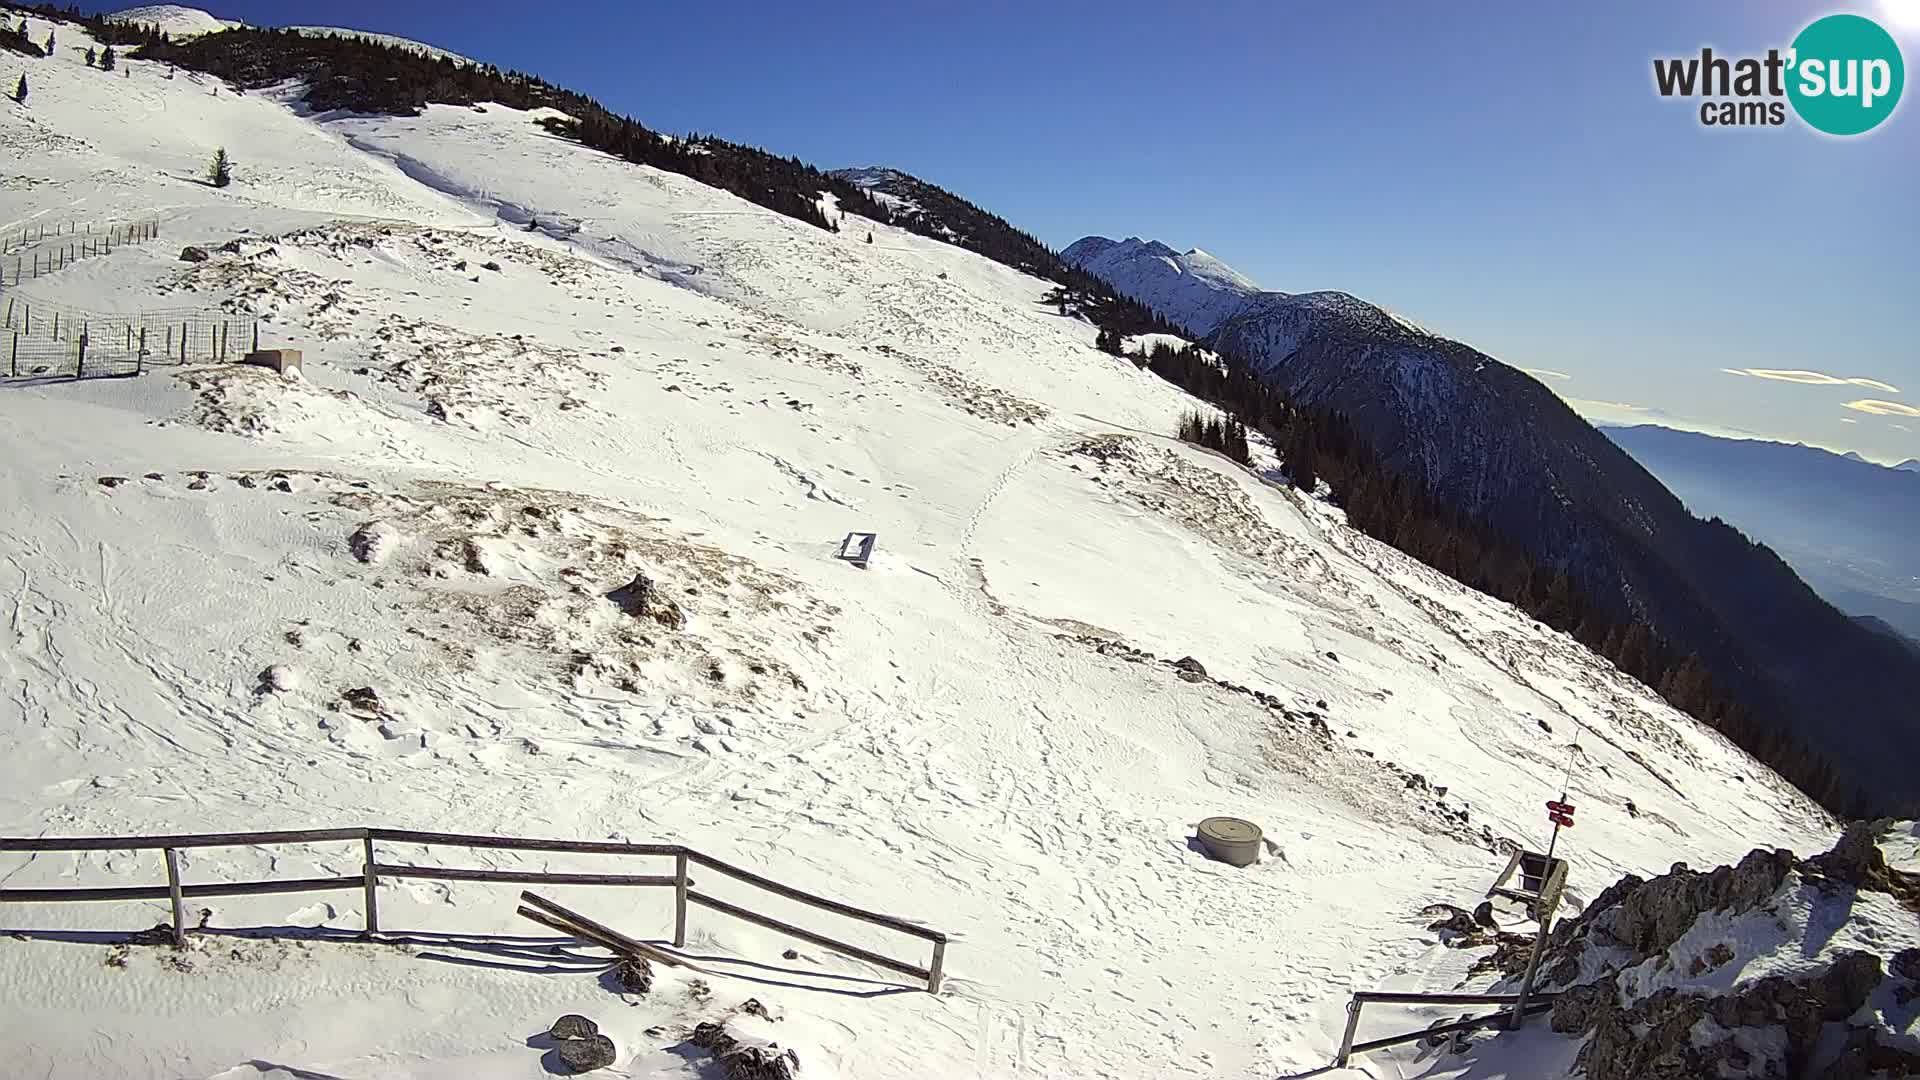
x,y
42,249
42,340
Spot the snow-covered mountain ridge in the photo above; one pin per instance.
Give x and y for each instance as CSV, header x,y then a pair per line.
x,y
1500,448
1193,288
533,372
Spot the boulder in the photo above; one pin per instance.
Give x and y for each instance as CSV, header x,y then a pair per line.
x,y
740,1059
588,1054
373,541
1906,964
641,599
1189,664
279,679
194,254
574,1026
1845,986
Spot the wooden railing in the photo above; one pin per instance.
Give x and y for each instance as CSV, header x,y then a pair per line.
x,y
1515,1004
372,870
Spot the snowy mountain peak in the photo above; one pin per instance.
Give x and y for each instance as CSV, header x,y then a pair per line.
x,y
174,20
1192,287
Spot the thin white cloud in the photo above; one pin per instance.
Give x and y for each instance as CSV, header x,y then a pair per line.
x,y
1812,378
1875,407
1902,427
1848,420
1584,405
1546,373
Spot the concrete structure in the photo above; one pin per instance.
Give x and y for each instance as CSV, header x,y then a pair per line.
x,y
280,360
1230,840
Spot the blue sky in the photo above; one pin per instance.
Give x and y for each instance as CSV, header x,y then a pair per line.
x,y
1502,172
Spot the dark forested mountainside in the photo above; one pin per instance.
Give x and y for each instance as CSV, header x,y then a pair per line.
x,y
1495,447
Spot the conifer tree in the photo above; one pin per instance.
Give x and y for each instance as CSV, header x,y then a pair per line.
x,y
20,91
49,43
220,173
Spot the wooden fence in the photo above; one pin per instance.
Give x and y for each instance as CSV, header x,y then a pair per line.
x,y
372,870
32,255
1516,1009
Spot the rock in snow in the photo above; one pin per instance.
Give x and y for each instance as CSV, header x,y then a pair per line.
x,y
373,541
586,1054
573,1026
279,679
1646,960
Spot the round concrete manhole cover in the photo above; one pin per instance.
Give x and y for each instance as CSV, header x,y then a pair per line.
x,y
1231,840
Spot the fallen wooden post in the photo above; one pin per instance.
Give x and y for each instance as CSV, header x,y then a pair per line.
x,y
577,925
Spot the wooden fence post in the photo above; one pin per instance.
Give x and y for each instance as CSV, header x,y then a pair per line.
x,y
680,900
13,361
80,364
140,358
372,882
934,971
56,325
173,894
256,334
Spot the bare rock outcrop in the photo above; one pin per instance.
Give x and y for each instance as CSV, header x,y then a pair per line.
x,y
743,1059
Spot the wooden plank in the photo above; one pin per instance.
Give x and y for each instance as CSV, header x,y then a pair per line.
x,y
516,843
142,843
820,902
519,877
567,928
1499,1018
821,940
162,892
611,938
1394,998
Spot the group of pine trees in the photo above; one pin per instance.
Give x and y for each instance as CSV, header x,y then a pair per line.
x,y
1224,434
14,39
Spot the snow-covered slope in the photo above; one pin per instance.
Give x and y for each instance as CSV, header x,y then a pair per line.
x,y
534,372
174,20
1193,288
